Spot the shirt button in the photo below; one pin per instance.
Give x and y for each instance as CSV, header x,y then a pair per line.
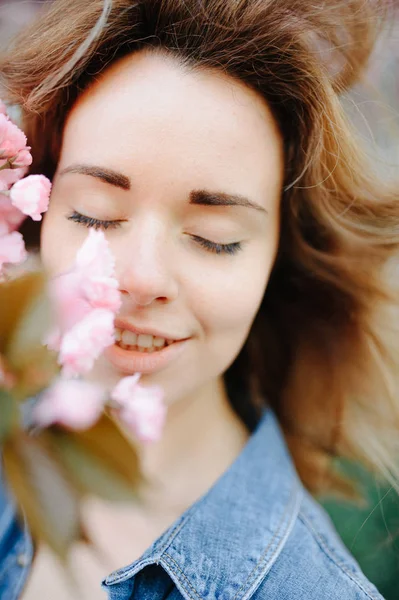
x,y
22,560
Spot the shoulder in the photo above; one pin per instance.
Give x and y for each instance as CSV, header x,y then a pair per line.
x,y
314,563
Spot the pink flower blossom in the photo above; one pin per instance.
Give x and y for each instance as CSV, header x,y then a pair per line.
x,y
88,287
10,217
72,403
3,108
12,139
10,176
23,158
102,292
94,256
12,248
70,304
124,390
83,344
140,408
31,195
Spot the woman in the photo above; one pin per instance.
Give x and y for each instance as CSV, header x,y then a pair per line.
x,y
207,140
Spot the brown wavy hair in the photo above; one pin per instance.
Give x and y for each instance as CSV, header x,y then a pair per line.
x,y
322,351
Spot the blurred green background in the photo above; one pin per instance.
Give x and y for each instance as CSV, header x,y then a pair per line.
x,y
371,533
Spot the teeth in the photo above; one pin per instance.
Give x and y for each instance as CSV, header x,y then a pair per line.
x,y
145,341
139,342
129,338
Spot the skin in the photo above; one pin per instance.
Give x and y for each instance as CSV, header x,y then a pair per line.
x,y
172,131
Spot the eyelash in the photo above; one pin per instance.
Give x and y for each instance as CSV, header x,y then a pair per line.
x,y
218,248
91,222
104,225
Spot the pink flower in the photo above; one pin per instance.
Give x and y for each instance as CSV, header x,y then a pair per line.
x,y
31,195
10,176
23,158
70,304
3,108
72,403
94,256
83,344
77,294
12,248
141,408
102,292
12,139
10,217
124,390
89,284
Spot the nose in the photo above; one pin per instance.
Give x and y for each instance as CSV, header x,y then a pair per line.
x,y
145,270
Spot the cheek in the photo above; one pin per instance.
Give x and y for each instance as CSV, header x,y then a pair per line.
x,y
227,301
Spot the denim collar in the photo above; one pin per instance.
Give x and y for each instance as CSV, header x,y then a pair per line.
x,y
226,542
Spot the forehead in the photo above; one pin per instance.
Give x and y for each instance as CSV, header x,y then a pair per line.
x,y
147,108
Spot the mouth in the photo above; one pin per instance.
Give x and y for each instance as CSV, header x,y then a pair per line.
x,y
140,342
135,352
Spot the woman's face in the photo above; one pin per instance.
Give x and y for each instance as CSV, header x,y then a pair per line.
x,y
187,167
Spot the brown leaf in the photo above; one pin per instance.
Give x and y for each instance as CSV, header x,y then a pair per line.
x,y
32,324
43,491
91,474
109,447
15,296
25,317
38,371
8,414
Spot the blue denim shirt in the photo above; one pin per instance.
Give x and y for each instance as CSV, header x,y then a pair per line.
x,y
255,534
16,549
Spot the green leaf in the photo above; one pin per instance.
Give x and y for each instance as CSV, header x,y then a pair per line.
x,y
8,414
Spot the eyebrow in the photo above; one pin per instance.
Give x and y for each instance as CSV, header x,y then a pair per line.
x,y
206,198
197,197
107,175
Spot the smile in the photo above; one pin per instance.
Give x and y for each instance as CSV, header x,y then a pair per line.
x,y
145,343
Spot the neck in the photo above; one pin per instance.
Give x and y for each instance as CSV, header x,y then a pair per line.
x,y
201,438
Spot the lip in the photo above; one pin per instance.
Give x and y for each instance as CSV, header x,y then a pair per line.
x,y
121,324
133,361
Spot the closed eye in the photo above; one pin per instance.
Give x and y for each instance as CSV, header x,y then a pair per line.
x,y
218,248
208,245
92,222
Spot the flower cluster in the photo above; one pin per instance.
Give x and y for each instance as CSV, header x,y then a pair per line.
x,y
86,299
20,196
140,408
78,404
